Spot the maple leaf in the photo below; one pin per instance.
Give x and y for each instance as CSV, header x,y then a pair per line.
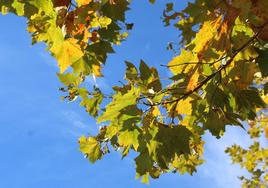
x,y
119,103
207,32
91,147
127,138
67,53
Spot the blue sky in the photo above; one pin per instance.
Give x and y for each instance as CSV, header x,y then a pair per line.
x,y
39,132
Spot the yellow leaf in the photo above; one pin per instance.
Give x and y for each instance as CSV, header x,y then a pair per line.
x,y
105,21
183,63
86,36
91,147
156,111
184,106
31,28
185,121
193,82
97,70
68,53
208,31
266,99
102,22
222,38
83,2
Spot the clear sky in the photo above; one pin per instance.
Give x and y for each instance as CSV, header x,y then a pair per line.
x,y
39,132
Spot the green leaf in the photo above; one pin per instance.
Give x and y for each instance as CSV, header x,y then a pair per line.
x,y
262,61
144,71
143,164
120,101
251,99
91,103
169,7
171,141
128,138
117,10
69,79
265,88
19,7
214,123
131,72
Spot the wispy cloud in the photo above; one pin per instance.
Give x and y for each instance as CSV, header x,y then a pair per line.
x,y
78,125
48,59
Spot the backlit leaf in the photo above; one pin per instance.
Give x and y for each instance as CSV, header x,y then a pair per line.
x,y
83,2
91,148
183,63
184,106
67,53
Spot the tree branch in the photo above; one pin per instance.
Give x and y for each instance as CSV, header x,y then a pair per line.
x,y
222,67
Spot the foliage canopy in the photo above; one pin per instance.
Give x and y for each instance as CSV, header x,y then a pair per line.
x,y
220,78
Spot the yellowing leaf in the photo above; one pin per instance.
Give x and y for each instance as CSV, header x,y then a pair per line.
x,y
156,111
222,38
91,147
207,32
96,70
266,99
183,63
247,54
120,102
184,106
128,138
19,7
67,53
193,82
102,22
105,21
86,36
186,121
83,2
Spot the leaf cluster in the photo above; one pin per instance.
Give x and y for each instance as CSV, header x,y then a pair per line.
x,y
219,78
